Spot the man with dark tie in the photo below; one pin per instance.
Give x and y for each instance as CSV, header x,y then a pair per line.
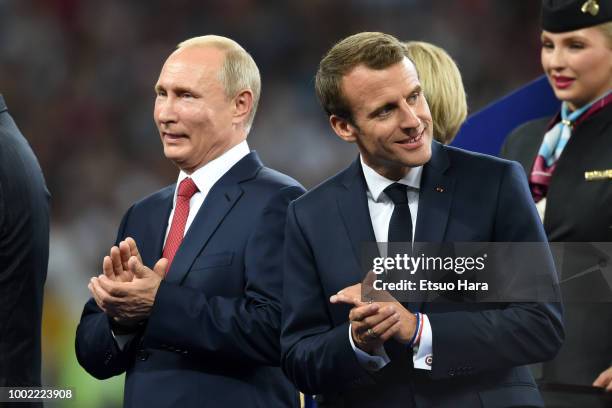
x,y
24,255
188,304
403,187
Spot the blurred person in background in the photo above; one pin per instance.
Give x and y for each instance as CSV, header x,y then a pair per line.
x,y
24,255
558,154
189,300
442,86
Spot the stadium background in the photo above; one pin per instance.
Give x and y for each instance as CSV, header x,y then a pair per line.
x,y
78,78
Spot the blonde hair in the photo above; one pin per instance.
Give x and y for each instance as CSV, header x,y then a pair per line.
x,y
606,29
239,71
443,88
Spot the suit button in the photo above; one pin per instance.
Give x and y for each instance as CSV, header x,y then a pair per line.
x,y
142,354
451,372
185,352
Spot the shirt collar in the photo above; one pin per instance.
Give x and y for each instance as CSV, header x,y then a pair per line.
x,y
377,183
206,176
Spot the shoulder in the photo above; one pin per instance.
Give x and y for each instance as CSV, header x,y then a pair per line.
x,y
318,198
475,162
524,136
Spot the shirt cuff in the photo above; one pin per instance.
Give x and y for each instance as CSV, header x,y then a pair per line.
x,y
122,339
369,362
422,356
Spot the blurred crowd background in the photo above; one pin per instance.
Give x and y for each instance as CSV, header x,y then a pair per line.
x,y
78,78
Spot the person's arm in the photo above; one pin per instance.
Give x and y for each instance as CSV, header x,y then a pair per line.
x,y
244,328
514,334
316,356
96,348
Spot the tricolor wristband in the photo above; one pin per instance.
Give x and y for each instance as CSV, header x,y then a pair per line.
x,y
417,330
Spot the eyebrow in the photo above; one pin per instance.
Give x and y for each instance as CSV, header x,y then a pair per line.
x,y
375,111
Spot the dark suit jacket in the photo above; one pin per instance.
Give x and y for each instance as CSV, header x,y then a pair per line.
x,y
24,254
212,338
577,210
479,349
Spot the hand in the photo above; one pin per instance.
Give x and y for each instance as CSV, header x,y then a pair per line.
x,y
129,302
372,325
406,324
115,266
604,380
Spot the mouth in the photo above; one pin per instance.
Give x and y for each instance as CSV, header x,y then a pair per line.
x,y
562,82
412,142
172,137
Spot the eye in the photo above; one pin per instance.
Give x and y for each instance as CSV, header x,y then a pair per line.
x,y
413,98
383,111
576,45
160,92
548,45
186,95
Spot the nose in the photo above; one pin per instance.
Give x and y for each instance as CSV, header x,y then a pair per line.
x,y
165,111
556,59
409,118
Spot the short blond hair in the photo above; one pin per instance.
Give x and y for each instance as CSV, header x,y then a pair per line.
x,y
443,88
239,71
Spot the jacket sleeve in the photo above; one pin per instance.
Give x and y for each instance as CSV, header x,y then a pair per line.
x,y
316,356
244,328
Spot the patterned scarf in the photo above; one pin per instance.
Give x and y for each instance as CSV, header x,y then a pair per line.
x,y
554,142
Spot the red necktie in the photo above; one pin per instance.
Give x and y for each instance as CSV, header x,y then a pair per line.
x,y
186,190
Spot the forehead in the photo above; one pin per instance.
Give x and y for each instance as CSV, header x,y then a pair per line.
x,y
366,88
191,66
590,33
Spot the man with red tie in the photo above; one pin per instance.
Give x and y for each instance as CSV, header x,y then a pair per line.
x,y
188,304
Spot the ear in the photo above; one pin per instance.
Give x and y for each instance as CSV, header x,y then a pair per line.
x,y
242,104
343,128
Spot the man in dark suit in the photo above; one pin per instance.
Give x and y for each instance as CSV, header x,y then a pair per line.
x,y
403,187
206,332
24,255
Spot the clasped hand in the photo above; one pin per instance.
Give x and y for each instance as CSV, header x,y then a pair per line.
x,y
373,323
126,289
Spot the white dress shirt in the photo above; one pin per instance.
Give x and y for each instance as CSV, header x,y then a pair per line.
x,y
204,178
381,208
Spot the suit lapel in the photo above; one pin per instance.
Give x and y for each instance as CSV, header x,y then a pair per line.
x,y
157,227
353,208
217,205
435,197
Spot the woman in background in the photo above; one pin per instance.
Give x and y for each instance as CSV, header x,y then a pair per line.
x,y
568,161
442,87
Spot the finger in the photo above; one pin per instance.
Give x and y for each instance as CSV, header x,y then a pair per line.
x,y
107,267
604,379
344,298
382,314
97,293
113,288
161,267
115,256
357,314
124,250
133,248
137,268
390,332
381,328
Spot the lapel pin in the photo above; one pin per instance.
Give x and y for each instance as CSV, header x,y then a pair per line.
x,y
440,189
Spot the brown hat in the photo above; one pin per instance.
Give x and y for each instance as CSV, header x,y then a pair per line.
x,y
567,15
